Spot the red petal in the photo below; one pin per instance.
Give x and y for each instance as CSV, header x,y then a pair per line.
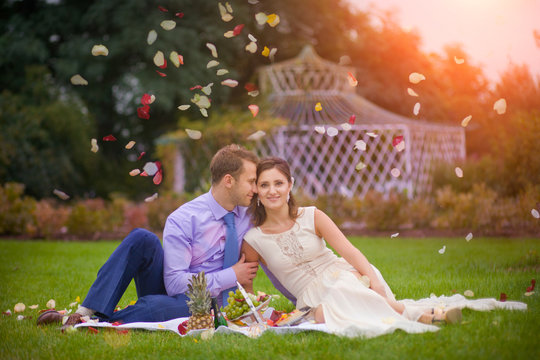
x,y
143,112
109,138
181,59
179,15
164,64
158,177
122,331
143,174
195,87
502,297
158,164
116,323
94,330
238,29
250,87
140,156
182,328
352,119
162,8
533,284
397,140
145,99
161,74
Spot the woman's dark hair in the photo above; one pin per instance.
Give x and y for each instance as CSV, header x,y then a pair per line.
x,y
258,212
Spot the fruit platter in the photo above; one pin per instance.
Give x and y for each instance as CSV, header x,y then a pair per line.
x,y
237,308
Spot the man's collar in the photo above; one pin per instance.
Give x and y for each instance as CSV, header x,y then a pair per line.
x,y
217,210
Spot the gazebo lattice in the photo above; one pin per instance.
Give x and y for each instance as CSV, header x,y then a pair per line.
x,y
326,163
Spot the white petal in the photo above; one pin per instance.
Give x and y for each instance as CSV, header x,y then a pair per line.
x,y
360,145
213,49
346,126
458,60
411,92
51,304
230,83
395,172
168,24
273,52
394,235
261,18
229,34
331,131
257,135
151,198
251,47
130,144
371,134
134,172
98,50
415,77
159,59
62,195
466,120
78,80
174,58
19,307
360,166
184,107
468,293
459,172
150,168
442,250
469,237
152,36
194,134
207,89
212,63
222,72
535,213
252,38
320,129
500,106
95,146
400,146
204,112
416,109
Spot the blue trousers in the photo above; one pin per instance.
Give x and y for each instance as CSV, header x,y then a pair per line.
x,y
138,257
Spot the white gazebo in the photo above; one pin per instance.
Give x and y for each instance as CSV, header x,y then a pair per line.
x,y
322,152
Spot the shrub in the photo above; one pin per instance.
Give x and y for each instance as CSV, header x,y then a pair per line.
x,y
50,219
16,210
88,217
384,211
163,206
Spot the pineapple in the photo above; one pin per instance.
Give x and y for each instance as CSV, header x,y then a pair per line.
x,y
199,303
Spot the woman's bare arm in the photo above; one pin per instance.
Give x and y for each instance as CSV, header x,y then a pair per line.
x,y
251,255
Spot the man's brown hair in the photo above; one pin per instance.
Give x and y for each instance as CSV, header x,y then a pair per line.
x,y
229,160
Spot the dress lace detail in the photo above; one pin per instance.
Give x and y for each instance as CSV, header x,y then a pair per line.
x,y
292,248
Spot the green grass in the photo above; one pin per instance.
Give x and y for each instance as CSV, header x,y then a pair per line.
x,y
34,272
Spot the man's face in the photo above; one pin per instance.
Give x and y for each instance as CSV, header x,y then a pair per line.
x,y
245,185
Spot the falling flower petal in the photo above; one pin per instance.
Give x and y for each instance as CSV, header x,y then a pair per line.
x,y
51,304
225,14
184,107
529,293
238,29
257,135
134,172
371,134
500,106
352,79
251,47
394,235
212,63
442,250
533,284
207,90
221,72
7,312
273,52
352,119
130,144
252,38
320,129
161,74
95,146
98,50
151,38
143,112
20,317
179,15
360,166
201,101
146,99
194,134
150,168
395,172
398,143
459,172
109,138
416,108
318,106
466,120
174,57
253,93
78,80
168,24
33,307
273,20
230,83
204,112
162,8
331,131
195,87
346,126
535,213
265,52
502,297
415,77
458,60
141,155
213,49
62,195
469,237
151,198
73,304
261,18
468,293
19,307
411,92
254,109
360,145
159,59
229,34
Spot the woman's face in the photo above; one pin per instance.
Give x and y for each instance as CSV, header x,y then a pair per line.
x,y
273,188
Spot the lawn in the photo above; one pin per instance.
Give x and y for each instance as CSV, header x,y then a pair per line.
x,y
34,272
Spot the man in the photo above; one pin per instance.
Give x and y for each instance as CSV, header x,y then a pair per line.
x,y
195,239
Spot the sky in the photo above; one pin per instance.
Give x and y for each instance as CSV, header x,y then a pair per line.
x,y
494,33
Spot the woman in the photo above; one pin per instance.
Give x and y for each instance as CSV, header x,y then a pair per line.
x,y
347,293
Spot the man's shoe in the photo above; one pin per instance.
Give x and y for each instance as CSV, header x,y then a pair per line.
x,y
50,317
72,320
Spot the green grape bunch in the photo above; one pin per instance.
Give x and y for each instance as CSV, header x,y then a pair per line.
x,y
237,305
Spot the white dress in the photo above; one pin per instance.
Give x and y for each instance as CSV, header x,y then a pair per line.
x,y
306,267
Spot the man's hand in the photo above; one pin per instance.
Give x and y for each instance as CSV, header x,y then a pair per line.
x,y
245,271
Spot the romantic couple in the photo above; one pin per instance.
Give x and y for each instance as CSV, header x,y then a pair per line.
x,y
249,217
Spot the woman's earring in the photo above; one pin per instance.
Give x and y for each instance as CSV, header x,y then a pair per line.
x,y
258,202
288,196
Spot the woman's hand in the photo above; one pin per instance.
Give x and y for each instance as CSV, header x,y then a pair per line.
x,y
378,287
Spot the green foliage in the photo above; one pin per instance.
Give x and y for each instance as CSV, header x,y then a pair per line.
x,y
16,210
50,219
162,207
90,217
